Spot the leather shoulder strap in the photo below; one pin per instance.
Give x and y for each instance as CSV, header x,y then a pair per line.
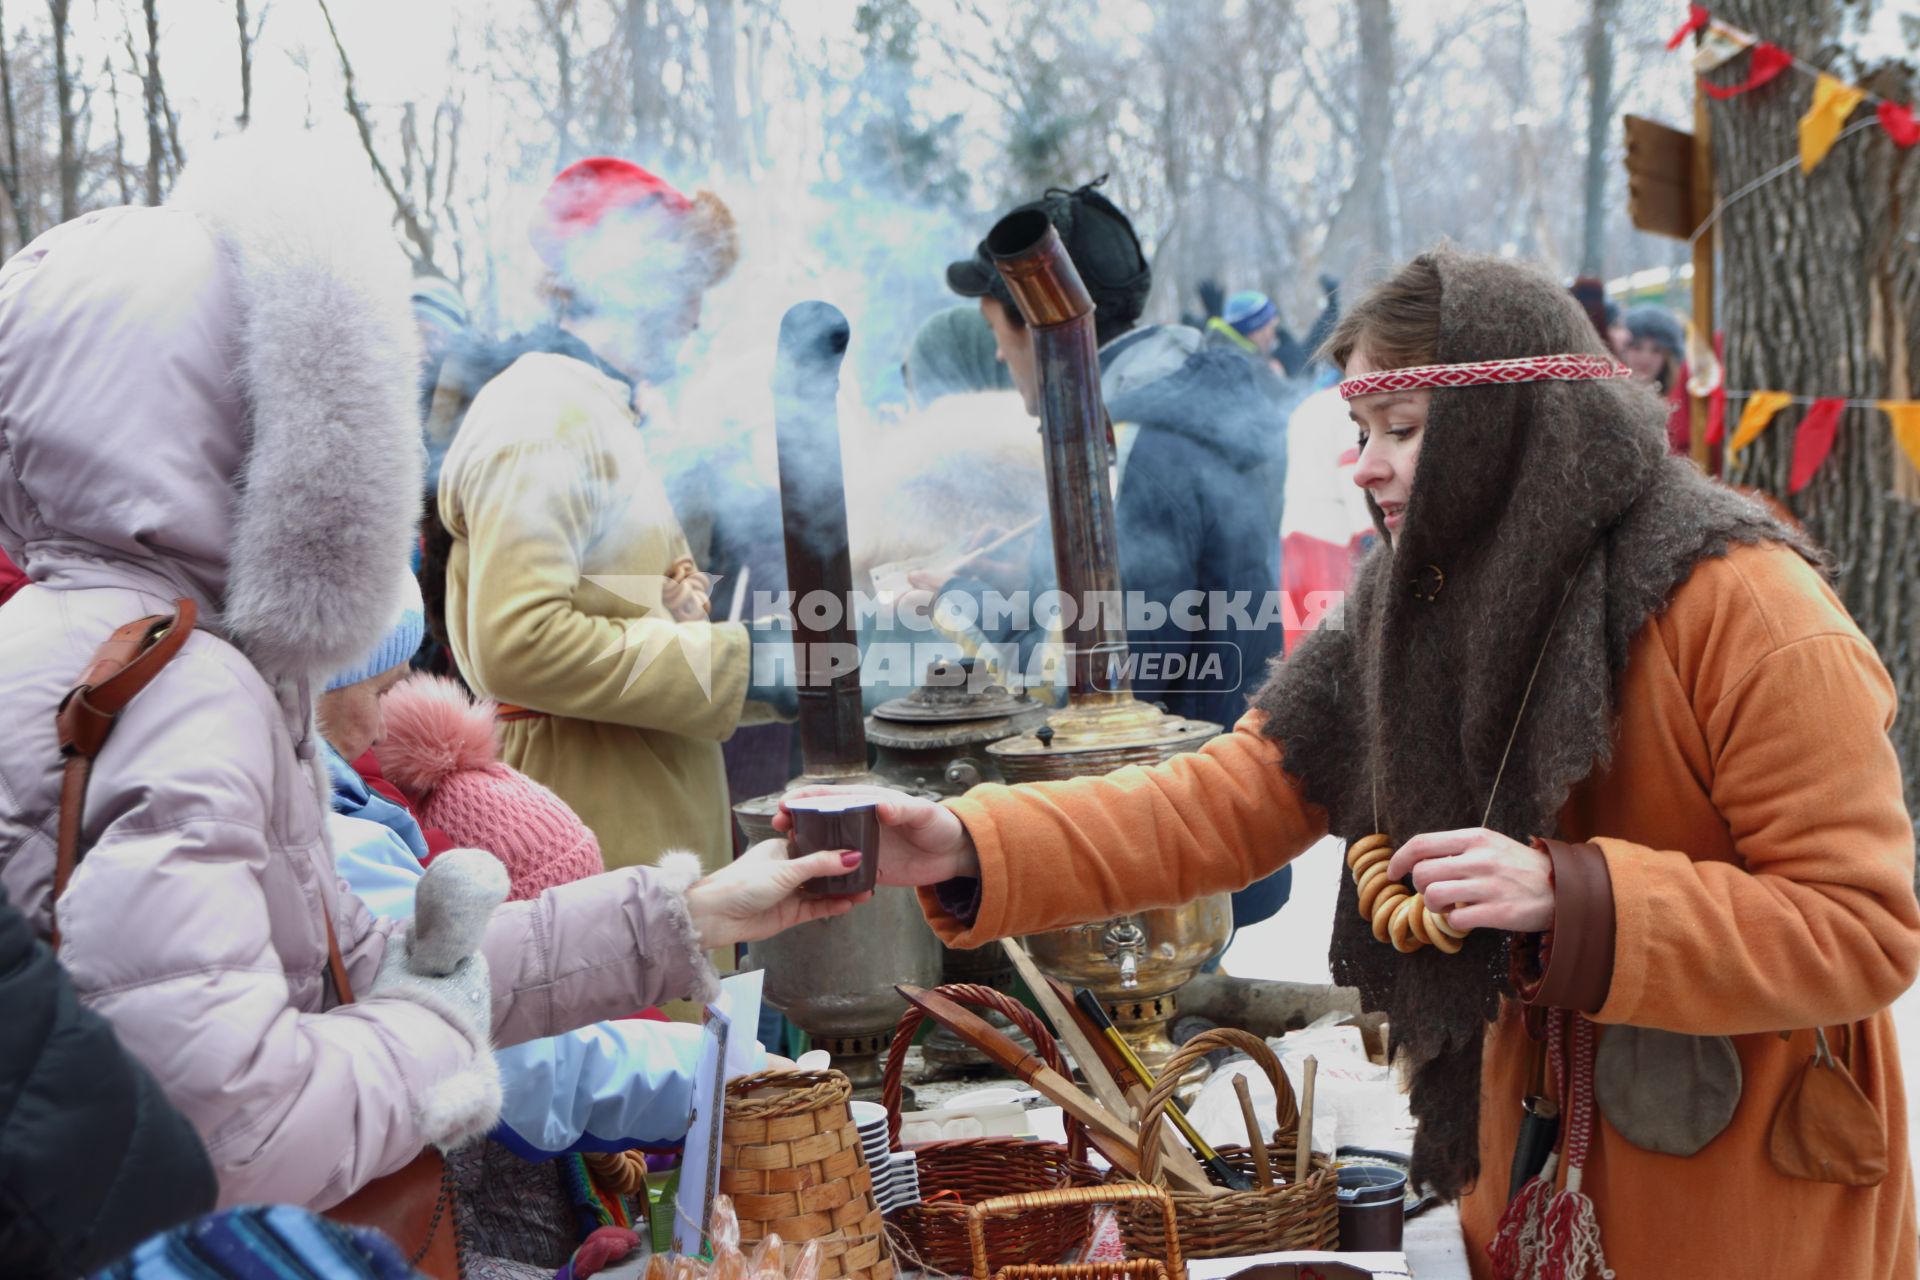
x,y
336,967
129,660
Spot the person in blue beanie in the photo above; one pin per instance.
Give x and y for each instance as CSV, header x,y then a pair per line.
x,y
1249,322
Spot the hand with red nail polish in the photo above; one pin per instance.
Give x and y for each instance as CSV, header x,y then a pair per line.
x,y
921,841
758,894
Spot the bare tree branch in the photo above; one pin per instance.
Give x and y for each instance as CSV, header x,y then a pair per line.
x,y
407,215
10,175
69,162
119,136
1337,110
156,138
249,39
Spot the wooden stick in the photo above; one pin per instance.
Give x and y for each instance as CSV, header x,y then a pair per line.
x,y
1255,1140
1304,1155
1182,1168
969,557
1085,1055
1010,1057
1174,1150
1701,189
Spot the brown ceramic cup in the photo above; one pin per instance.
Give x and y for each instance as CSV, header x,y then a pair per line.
x,y
836,822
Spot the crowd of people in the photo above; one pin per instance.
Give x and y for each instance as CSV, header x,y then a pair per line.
x,y
317,589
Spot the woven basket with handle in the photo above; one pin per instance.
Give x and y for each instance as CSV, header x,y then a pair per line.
x,y
1165,1265
961,1172
1302,1215
790,1157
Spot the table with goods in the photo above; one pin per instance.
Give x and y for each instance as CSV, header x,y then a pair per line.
x,y
1273,1155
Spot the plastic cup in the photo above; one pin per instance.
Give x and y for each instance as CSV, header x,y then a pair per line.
x,y
1373,1211
837,822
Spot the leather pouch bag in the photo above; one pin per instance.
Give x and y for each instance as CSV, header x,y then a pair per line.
x,y
1664,1091
414,1204
1826,1129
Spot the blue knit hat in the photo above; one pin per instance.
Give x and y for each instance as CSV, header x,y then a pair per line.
x,y
397,646
1248,309
436,301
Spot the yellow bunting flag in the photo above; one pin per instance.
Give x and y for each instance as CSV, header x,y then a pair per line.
x,y
1833,102
1906,426
1761,406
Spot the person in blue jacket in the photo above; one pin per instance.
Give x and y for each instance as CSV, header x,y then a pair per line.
x,y
1199,468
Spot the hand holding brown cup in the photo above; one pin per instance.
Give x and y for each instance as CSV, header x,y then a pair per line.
x,y
822,822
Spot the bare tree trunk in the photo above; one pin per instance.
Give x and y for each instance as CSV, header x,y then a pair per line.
x,y
1365,216
69,161
1820,289
22,224
642,76
1376,120
1600,130
172,118
557,17
119,137
246,62
156,137
723,33
756,93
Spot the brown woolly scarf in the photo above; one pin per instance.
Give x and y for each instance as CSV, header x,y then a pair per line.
x,y
1409,705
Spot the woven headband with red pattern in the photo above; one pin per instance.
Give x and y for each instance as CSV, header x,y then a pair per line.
x,y
1485,373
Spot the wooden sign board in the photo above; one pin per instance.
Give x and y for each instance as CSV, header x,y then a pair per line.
x,y
1660,179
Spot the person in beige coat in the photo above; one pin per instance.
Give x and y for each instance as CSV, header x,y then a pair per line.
x,y
571,596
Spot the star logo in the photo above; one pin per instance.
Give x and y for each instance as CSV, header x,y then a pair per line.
x,y
647,644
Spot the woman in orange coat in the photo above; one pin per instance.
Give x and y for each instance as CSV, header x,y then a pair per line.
x,y
1619,734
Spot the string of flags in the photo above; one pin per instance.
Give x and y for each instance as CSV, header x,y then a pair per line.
x,y
1825,121
1813,441
1834,100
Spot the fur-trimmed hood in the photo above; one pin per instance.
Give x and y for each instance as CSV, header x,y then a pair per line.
x,y
216,399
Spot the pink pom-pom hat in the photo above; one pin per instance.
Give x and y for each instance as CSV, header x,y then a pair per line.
x,y
440,749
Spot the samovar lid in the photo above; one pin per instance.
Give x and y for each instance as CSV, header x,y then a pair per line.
x,y
949,695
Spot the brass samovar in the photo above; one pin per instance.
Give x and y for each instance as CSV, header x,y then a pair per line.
x,y
834,978
1134,964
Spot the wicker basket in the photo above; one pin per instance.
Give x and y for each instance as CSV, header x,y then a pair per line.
x,y
790,1157
1166,1265
1301,1215
957,1174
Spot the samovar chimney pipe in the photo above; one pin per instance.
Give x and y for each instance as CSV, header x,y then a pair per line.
x,y
813,506
1073,422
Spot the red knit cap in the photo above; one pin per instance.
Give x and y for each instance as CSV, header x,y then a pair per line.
x,y
589,190
439,747
585,192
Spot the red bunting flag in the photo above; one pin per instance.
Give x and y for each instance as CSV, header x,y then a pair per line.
x,y
1697,19
1769,60
1814,440
1717,414
1897,119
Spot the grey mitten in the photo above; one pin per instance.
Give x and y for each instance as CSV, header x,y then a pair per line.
x,y
434,960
